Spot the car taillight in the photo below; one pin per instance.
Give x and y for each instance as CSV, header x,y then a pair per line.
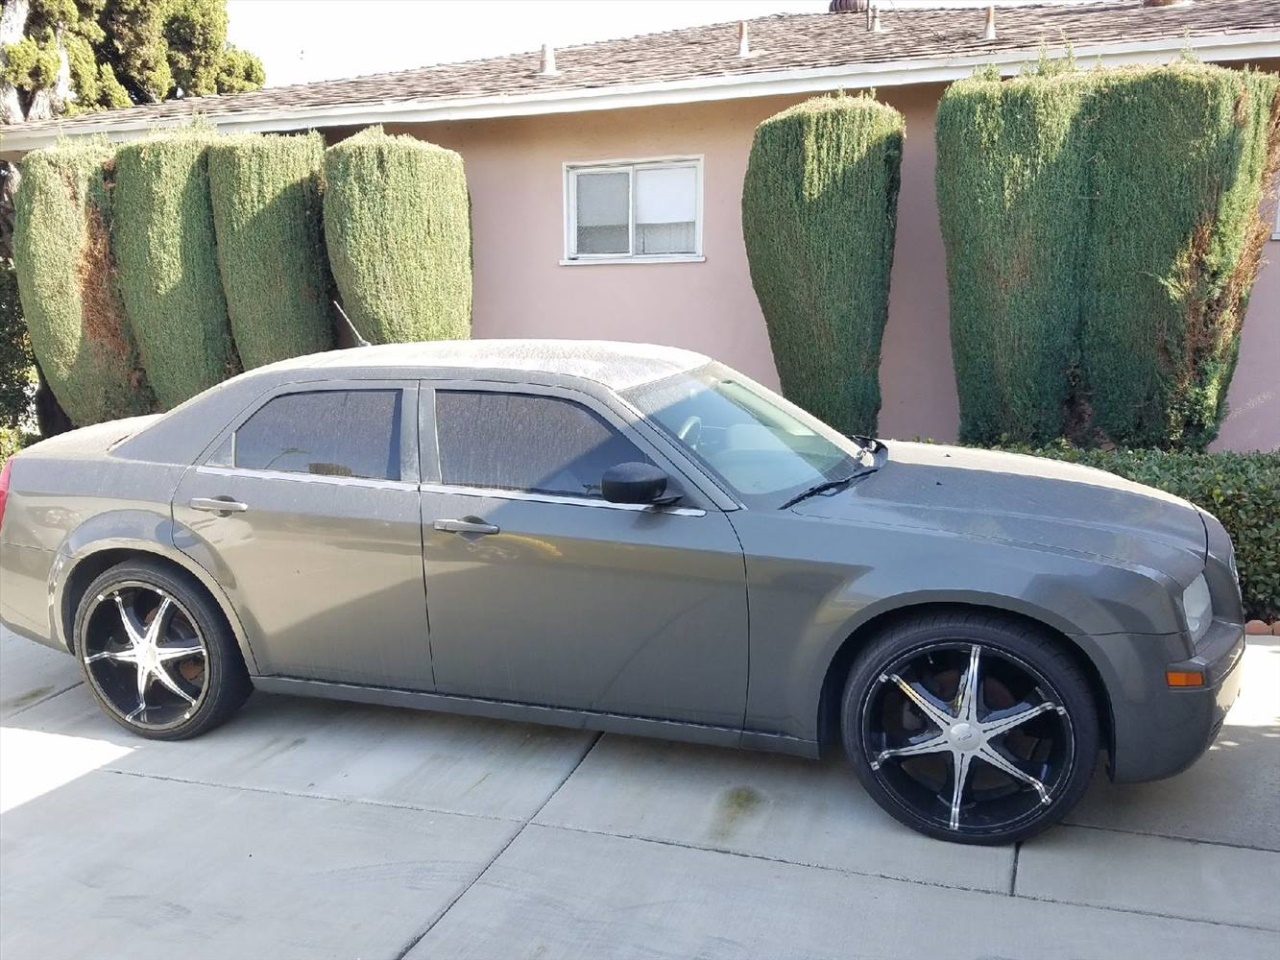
x,y
4,488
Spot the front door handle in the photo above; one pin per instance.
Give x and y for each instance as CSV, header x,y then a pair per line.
x,y
218,505
465,526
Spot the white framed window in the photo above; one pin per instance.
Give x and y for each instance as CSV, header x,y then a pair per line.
x,y
633,211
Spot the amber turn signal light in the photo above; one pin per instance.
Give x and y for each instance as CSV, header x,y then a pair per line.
x,y
1184,678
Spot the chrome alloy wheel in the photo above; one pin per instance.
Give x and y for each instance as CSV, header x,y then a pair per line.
x,y
967,737
144,655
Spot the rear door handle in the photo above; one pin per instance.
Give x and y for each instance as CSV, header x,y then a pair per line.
x,y
465,526
218,505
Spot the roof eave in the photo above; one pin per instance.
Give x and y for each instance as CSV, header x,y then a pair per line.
x,y
1255,45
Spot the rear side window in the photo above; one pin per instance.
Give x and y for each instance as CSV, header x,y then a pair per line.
x,y
338,433
511,441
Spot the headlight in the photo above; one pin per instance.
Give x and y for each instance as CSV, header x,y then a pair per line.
x,y
1197,607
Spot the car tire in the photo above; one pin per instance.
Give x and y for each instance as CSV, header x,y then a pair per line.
x,y
157,653
1023,736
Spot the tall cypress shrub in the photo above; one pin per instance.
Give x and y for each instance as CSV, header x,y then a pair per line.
x,y
1139,244
819,212
397,225
67,280
1011,160
267,215
1180,158
165,245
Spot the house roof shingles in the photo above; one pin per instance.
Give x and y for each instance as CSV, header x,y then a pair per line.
x,y
784,42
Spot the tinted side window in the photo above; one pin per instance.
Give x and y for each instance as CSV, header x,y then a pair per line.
x,y
340,433
509,441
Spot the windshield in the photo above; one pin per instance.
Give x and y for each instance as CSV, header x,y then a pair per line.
x,y
763,448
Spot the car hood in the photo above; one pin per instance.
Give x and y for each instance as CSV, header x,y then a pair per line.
x,y
983,494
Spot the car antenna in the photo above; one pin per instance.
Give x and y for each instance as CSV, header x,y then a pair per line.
x,y
360,341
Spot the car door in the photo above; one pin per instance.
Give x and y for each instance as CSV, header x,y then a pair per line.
x,y
540,591
308,514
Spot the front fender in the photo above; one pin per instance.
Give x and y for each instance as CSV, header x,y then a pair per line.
x,y
139,531
803,611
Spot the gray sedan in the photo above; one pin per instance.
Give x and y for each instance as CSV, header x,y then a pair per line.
x,y
634,539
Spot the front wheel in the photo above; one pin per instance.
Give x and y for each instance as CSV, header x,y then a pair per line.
x,y
970,728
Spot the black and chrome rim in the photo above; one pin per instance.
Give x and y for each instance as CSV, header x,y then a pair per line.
x,y
144,655
967,737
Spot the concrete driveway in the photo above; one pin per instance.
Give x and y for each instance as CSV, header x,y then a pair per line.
x,y
314,829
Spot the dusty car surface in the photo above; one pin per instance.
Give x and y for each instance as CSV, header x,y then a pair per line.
x,y
636,539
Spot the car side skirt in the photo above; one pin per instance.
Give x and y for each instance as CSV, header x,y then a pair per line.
x,y
551,716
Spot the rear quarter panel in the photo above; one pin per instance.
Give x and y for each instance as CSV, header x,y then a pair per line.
x,y
61,510
64,510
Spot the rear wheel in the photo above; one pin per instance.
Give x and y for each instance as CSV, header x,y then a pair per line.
x,y
157,653
970,728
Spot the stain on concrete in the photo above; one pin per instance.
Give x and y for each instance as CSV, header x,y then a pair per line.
x,y
735,806
22,699
482,779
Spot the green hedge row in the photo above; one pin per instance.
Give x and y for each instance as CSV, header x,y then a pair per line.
x,y
1102,235
167,253
1240,489
267,215
819,215
397,224
190,255
67,280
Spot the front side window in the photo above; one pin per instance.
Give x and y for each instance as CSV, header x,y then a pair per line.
x,y
534,444
762,447
339,433
634,210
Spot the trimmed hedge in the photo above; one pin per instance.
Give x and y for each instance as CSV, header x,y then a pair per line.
x,y
1179,157
67,279
267,215
1240,489
1011,159
819,214
1102,234
397,225
165,246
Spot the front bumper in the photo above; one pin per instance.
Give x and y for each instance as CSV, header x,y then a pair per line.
x,y
1159,731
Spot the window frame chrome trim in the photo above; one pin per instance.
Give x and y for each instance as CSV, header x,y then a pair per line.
x,y
498,493
366,482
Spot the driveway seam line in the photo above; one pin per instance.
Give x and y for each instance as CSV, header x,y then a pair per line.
x,y
1169,836
1137,911
33,704
314,796
900,879
844,871
485,869
1013,876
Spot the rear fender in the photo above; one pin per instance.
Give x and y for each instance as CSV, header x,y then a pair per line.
x,y
142,532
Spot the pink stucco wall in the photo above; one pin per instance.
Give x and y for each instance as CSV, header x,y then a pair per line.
x,y
515,171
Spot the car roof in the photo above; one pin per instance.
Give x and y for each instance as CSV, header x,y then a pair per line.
x,y
616,365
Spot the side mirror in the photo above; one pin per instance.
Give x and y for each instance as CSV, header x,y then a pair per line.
x,y
635,483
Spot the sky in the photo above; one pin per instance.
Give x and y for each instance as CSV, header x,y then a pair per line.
x,y
305,40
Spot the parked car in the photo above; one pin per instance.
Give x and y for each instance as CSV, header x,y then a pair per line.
x,y
634,539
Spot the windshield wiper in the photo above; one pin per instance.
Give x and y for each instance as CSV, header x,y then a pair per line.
x,y
826,485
